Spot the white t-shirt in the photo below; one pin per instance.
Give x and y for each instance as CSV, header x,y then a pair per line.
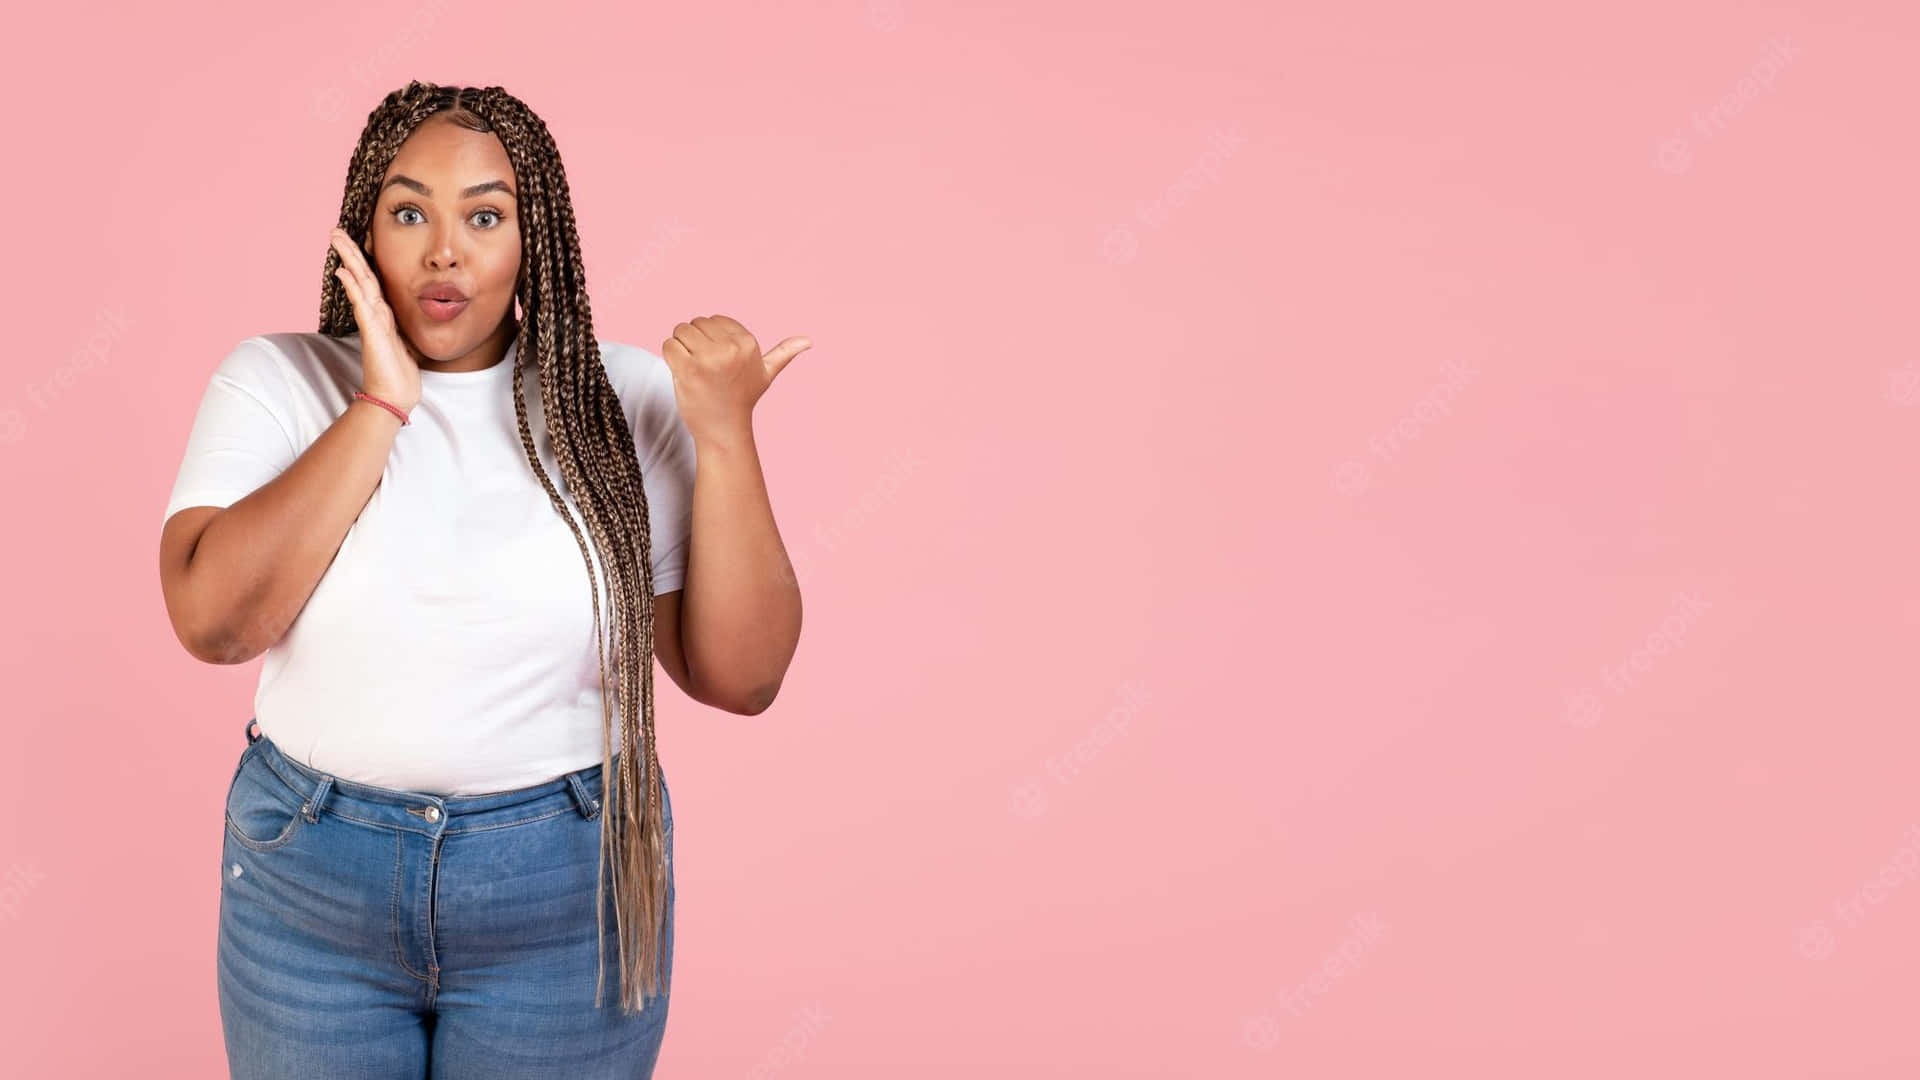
x,y
449,647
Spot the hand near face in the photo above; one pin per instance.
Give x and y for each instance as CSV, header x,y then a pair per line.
x,y
719,372
387,370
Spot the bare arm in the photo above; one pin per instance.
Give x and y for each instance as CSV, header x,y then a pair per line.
x,y
736,624
235,578
733,632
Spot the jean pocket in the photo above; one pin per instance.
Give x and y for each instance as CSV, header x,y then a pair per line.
x,y
263,813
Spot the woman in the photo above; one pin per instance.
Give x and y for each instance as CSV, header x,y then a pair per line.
x,y
417,857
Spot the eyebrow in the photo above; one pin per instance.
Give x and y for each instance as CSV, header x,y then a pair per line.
x,y
465,193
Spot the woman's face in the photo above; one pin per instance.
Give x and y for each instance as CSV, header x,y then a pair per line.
x,y
447,216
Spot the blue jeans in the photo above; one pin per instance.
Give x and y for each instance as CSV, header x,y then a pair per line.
x,y
392,935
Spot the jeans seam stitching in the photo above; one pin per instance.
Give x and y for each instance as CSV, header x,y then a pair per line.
x,y
248,842
399,862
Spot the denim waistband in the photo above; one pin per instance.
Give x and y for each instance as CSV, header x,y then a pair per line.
x,y
578,791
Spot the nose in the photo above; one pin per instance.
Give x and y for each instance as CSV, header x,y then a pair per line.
x,y
441,254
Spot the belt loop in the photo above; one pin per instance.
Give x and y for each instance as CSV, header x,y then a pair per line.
x,y
583,800
252,737
311,808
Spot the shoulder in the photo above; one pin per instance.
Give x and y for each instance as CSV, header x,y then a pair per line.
x,y
632,368
294,345
644,383
292,361
256,365
640,377
288,352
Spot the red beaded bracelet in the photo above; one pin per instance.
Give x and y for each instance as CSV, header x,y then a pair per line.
x,y
392,409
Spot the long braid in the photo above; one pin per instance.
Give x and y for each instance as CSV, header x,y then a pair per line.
x,y
594,448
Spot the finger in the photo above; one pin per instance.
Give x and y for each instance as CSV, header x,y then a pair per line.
x,y
350,287
356,260
369,280
674,352
728,325
342,247
333,245
370,287
366,312
690,336
721,328
782,354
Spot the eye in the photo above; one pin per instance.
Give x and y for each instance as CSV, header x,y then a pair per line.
x,y
397,213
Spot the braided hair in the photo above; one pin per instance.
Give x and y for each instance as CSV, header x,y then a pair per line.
x,y
595,451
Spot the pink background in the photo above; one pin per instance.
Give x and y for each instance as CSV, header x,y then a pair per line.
x,y
1480,439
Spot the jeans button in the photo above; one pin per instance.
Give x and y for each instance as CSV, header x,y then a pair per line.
x,y
433,813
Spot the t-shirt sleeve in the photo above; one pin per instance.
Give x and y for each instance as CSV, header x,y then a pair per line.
x,y
241,434
667,465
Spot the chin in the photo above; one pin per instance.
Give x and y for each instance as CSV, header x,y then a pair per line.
x,y
437,343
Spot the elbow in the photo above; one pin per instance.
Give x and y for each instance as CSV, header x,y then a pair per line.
x,y
758,701
231,655
213,622
750,703
197,639
214,651
217,645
